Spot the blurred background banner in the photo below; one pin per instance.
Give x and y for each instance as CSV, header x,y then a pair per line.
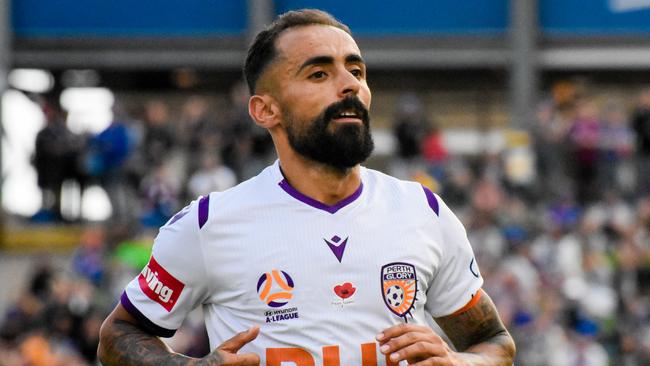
x,y
531,118
200,18
595,18
412,17
122,18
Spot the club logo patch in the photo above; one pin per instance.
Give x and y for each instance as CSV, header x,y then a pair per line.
x,y
399,287
159,285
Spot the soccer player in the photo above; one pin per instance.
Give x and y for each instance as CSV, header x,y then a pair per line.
x,y
317,261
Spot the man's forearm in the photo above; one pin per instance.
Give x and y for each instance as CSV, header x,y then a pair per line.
x,y
498,350
124,344
479,335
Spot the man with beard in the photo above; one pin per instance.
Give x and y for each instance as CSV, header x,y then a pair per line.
x,y
317,260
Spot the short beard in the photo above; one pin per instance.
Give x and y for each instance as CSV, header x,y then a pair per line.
x,y
341,149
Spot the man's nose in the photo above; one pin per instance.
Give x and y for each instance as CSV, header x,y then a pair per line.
x,y
349,84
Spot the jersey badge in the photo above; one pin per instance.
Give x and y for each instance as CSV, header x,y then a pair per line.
x,y
399,287
159,285
275,289
337,246
345,290
344,293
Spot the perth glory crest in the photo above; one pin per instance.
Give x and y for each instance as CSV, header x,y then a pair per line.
x,y
399,287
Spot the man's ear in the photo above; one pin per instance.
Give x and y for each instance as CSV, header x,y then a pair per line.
x,y
264,110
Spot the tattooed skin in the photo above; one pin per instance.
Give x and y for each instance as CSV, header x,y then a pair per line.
x,y
128,345
124,343
478,329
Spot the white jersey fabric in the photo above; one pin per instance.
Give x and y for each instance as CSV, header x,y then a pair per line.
x,y
321,281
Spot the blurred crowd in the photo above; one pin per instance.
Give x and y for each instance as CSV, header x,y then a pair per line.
x,y
150,159
559,219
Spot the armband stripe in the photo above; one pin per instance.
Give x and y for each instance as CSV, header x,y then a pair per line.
x,y
146,324
470,304
204,210
431,199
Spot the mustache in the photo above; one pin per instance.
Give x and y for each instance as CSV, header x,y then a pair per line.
x,y
351,103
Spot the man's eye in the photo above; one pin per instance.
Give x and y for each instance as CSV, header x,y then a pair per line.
x,y
317,75
357,72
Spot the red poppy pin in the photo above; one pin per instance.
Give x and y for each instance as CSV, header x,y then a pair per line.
x,y
345,290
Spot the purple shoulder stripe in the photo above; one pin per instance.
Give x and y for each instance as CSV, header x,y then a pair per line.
x,y
431,199
204,210
146,324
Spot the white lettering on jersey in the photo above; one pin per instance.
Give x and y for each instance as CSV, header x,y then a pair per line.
x,y
164,293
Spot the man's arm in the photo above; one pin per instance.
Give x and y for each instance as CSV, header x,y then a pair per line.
x,y
480,333
123,343
477,333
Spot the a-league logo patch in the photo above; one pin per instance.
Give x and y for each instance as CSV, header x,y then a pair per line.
x,y
275,289
399,286
279,298
159,285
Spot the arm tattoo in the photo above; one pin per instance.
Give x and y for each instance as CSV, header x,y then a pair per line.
x,y
476,327
128,345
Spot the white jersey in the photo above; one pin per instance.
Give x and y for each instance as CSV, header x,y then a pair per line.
x,y
321,281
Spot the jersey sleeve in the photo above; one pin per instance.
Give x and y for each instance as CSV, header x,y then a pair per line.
x,y
174,281
458,278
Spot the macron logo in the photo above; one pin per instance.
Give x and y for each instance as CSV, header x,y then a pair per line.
x,y
159,285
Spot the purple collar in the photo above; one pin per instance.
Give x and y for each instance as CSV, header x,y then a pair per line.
x,y
317,204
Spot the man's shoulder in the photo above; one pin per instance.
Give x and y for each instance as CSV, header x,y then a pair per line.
x,y
260,184
254,192
400,190
381,180
206,207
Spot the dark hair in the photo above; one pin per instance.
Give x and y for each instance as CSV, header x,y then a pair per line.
x,y
262,51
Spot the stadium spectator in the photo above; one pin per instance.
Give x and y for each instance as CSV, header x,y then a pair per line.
x,y
57,156
197,131
211,177
107,155
195,124
458,182
550,137
435,152
88,260
616,148
158,138
410,128
584,136
238,131
641,126
160,197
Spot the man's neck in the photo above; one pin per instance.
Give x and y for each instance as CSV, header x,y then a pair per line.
x,y
319,181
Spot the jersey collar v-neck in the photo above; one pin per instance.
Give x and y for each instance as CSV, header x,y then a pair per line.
x,y
289,189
